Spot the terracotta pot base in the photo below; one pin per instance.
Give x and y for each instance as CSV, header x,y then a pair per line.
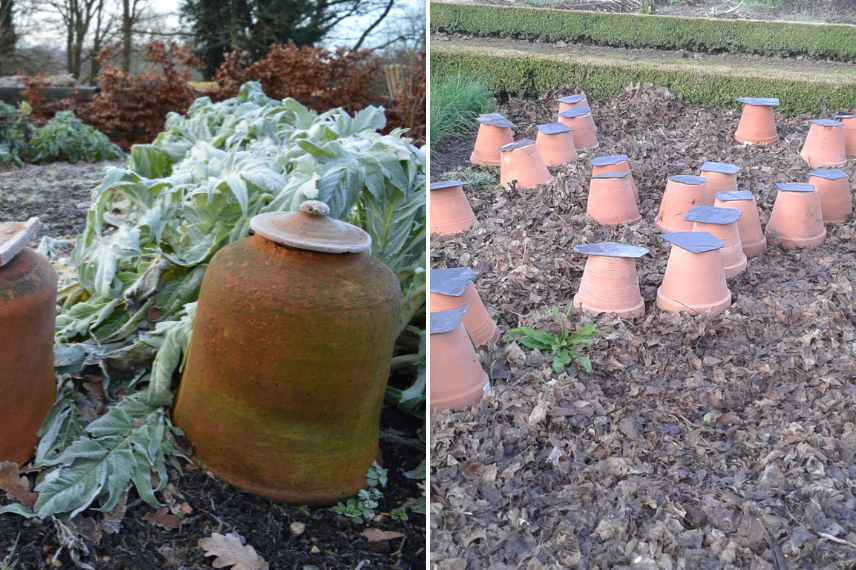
x,y
582,124
555,144
824,145
494,132
610,283
797,219
751,233
672,306
694,280
457,378
451,213
568,102
682,193
611,200
757,122
833,187
849,122
522,164
477,321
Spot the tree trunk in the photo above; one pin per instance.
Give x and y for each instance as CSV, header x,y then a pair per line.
x,y
8,39
127,39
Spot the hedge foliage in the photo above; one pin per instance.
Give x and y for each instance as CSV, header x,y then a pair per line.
x,y
823,41
534,76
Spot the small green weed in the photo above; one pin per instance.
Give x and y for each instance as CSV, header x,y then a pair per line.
x,y
565,346
362,508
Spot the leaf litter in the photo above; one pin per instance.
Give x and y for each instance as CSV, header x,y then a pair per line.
x,y
697,442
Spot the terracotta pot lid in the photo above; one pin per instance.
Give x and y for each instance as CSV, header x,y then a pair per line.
x,y
760,101
827,123
713,215
688,179
572,113
609,160
611,249
516,145
553,129
735,196
828,173
452,282
694,242
311,229
571,99
495,120
443,322
14,236
794,187
623,174
720,167
446,184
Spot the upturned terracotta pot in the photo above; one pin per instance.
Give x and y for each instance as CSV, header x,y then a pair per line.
x,y
797,219
494,132
611,200
289,358
721,223
758,122
849,125
457,378
451,213
682,193
453,288
610,283
582,124
824,145
695,278
614,163
555,144
568,102
719,177
751,234
833,186
521,163
28,289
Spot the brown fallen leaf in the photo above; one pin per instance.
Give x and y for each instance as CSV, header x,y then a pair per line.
x,y
378,535
231,552
16,487
163,519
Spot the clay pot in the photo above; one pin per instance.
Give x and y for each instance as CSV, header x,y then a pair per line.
x,y
451,213
797,218
824,145
494,132
609,283
522,163
758,122
28,289
289,358
849,124
719,177
834,189
611,200
695,278
749,224
682,193
453,288
582,124
569,102
614,163
721,223
457,378
555,144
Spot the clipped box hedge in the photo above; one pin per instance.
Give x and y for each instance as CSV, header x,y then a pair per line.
x,y
783,39
529,76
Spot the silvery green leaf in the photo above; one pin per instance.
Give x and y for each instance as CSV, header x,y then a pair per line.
x,y
150,161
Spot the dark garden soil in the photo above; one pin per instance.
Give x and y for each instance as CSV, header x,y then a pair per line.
x,y
59,194
697,442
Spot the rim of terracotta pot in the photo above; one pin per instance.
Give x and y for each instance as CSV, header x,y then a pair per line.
x,y
311,229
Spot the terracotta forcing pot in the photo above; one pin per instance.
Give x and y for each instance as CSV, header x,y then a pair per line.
x,y
610,283
614,163
569,102
453,288
824,145
682,193
721,223
451,213
611,200
522,164
289,358
758,122
555,144
494,132
582,124
849,124
457,378
833,186
797,218
751,235
695,278
719,177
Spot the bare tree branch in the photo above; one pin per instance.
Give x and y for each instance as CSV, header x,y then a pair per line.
x,y
375,24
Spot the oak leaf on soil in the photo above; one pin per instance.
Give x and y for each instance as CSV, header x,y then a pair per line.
x,y
231,552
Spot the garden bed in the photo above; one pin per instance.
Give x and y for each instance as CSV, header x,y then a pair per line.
x,y
697,442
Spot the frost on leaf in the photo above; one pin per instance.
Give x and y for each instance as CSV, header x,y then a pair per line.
x,y
231,552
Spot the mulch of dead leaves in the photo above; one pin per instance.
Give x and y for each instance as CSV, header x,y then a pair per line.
x,y
725,442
